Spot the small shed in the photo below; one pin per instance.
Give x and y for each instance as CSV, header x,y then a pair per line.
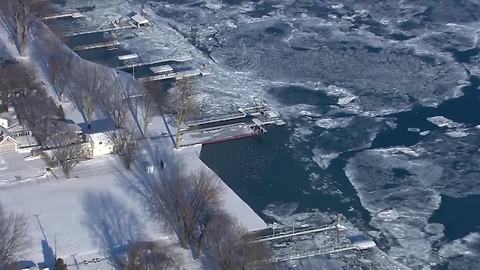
x,y
139,20
362,242
4,122
8,144
8,118
101,144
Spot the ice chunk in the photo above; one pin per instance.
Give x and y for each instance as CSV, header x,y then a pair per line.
x,y
457,133
322,158
329,123
442,121
280,211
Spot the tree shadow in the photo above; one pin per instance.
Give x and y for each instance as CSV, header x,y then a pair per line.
x,y
115,226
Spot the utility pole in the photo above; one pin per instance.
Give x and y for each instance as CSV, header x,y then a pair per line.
x,y
55,246
75,261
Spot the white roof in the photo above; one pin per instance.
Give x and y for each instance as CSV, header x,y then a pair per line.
x,y
99,137
160,69
365,244
139,19
76,15
127,56
257,121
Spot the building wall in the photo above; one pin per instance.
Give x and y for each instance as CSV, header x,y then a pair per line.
x,y
100,148
3,122
8,146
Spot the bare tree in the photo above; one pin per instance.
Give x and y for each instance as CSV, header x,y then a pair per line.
x,y
185,202
205,200
187,104
16,79
116,102
38,111
13,237
66,151
60,264
165,102
124,142
89,83
230,249
147,112
59,68
17,17
147,256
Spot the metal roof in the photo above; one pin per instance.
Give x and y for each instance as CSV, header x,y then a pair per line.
x,y
139,19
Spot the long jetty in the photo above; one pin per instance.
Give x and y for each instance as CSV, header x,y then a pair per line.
x,y
99,30
106,44
288,234
73,15
181,58
320,251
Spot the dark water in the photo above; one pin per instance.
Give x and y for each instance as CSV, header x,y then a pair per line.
x,y
263,170
465,110
459,216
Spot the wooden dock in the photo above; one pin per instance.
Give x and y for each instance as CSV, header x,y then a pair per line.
x,y
228,117
107,44
298,232
159,77
114,27
179,59
73,15
318,252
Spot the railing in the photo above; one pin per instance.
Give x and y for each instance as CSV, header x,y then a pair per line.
x,y
319,252
295,233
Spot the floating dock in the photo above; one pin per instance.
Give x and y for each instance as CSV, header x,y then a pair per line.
x,y
179,59
247,122
356,242
300,231
113,27
107,44
73,15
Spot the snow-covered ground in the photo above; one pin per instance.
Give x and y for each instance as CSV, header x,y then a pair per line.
x,y
337,73
94,212
77,214
16,167
82,218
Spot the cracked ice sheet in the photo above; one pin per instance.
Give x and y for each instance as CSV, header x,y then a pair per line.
x,y
262,49
462,253
401,188
460,158
392,187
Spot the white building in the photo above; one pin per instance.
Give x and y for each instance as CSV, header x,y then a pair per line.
x,y
101,144
139,20
13,136
7,143
8,118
